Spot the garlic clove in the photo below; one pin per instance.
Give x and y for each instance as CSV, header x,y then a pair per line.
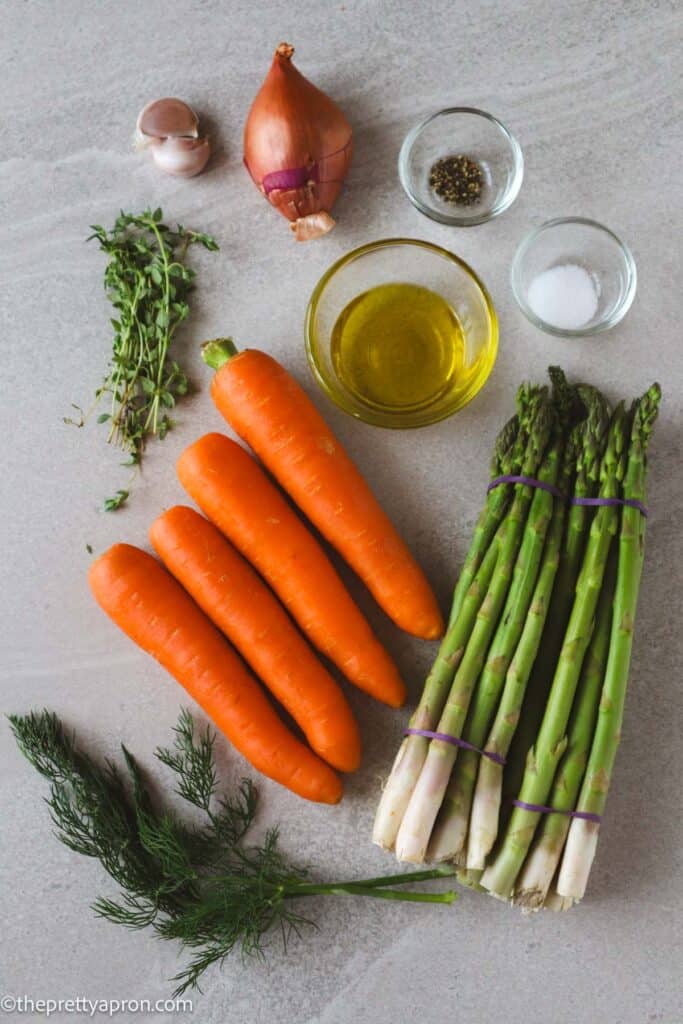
x,y
182,157
170,128
166,118
314,225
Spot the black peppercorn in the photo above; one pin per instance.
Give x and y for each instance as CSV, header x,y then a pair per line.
x,y
457,179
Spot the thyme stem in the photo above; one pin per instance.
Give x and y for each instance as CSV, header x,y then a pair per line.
x,y
148,285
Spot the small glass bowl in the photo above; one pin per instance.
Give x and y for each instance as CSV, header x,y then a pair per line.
x,y
402,260
587,244
468,132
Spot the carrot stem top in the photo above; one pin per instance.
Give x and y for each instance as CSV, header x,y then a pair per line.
x,y
217,352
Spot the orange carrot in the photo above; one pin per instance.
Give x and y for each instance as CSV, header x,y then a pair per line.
x,y
238,497
241,605
273,414
154,610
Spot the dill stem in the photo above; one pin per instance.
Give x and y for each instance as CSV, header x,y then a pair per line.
x,y
444,871
378,887
377,892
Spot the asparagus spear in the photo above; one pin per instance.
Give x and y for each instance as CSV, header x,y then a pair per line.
x,y
500,876
544,856
503,463
448,837
413,750
486,802
418,820
588,439
450,829
583,835
507,460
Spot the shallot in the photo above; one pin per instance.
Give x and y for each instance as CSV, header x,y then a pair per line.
x,y
297,147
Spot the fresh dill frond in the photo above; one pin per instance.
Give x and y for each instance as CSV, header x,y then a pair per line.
x,y
191,758
201,885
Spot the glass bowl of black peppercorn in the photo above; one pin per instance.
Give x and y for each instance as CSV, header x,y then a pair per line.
x,y
461,166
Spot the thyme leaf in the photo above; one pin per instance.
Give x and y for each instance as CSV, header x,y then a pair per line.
x,y
119,499
148,284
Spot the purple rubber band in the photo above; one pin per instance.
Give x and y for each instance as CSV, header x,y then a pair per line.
x,y
557,493
631,502
584,815
456,741
529,481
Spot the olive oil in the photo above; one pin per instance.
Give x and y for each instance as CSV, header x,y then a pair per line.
x,y
399,347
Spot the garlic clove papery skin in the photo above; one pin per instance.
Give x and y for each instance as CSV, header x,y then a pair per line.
x,y
181,157
166,118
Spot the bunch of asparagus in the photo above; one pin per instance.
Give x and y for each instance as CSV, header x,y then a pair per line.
x,y
507,760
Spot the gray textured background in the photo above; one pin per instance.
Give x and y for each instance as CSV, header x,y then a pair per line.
x,y
590,91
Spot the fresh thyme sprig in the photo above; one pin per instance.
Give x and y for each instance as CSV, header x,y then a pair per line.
x,y
200,884
148,285
116,501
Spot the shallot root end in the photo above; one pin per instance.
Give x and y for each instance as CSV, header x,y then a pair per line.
x,y
314,225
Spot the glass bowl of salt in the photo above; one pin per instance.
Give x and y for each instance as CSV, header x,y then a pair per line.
x,y
573,277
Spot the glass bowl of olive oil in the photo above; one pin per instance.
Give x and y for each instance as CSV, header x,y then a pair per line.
x,y
401,333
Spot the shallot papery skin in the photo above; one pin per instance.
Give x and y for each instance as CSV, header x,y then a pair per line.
x,y
297,147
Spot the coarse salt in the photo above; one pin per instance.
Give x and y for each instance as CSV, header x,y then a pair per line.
x,y
564,296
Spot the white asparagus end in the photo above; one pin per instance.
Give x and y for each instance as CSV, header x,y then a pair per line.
x,y
536,876
579,853
485,814
398,790
418,821
557,903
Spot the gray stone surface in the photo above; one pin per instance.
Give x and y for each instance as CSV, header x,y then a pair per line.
x,y
591,91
